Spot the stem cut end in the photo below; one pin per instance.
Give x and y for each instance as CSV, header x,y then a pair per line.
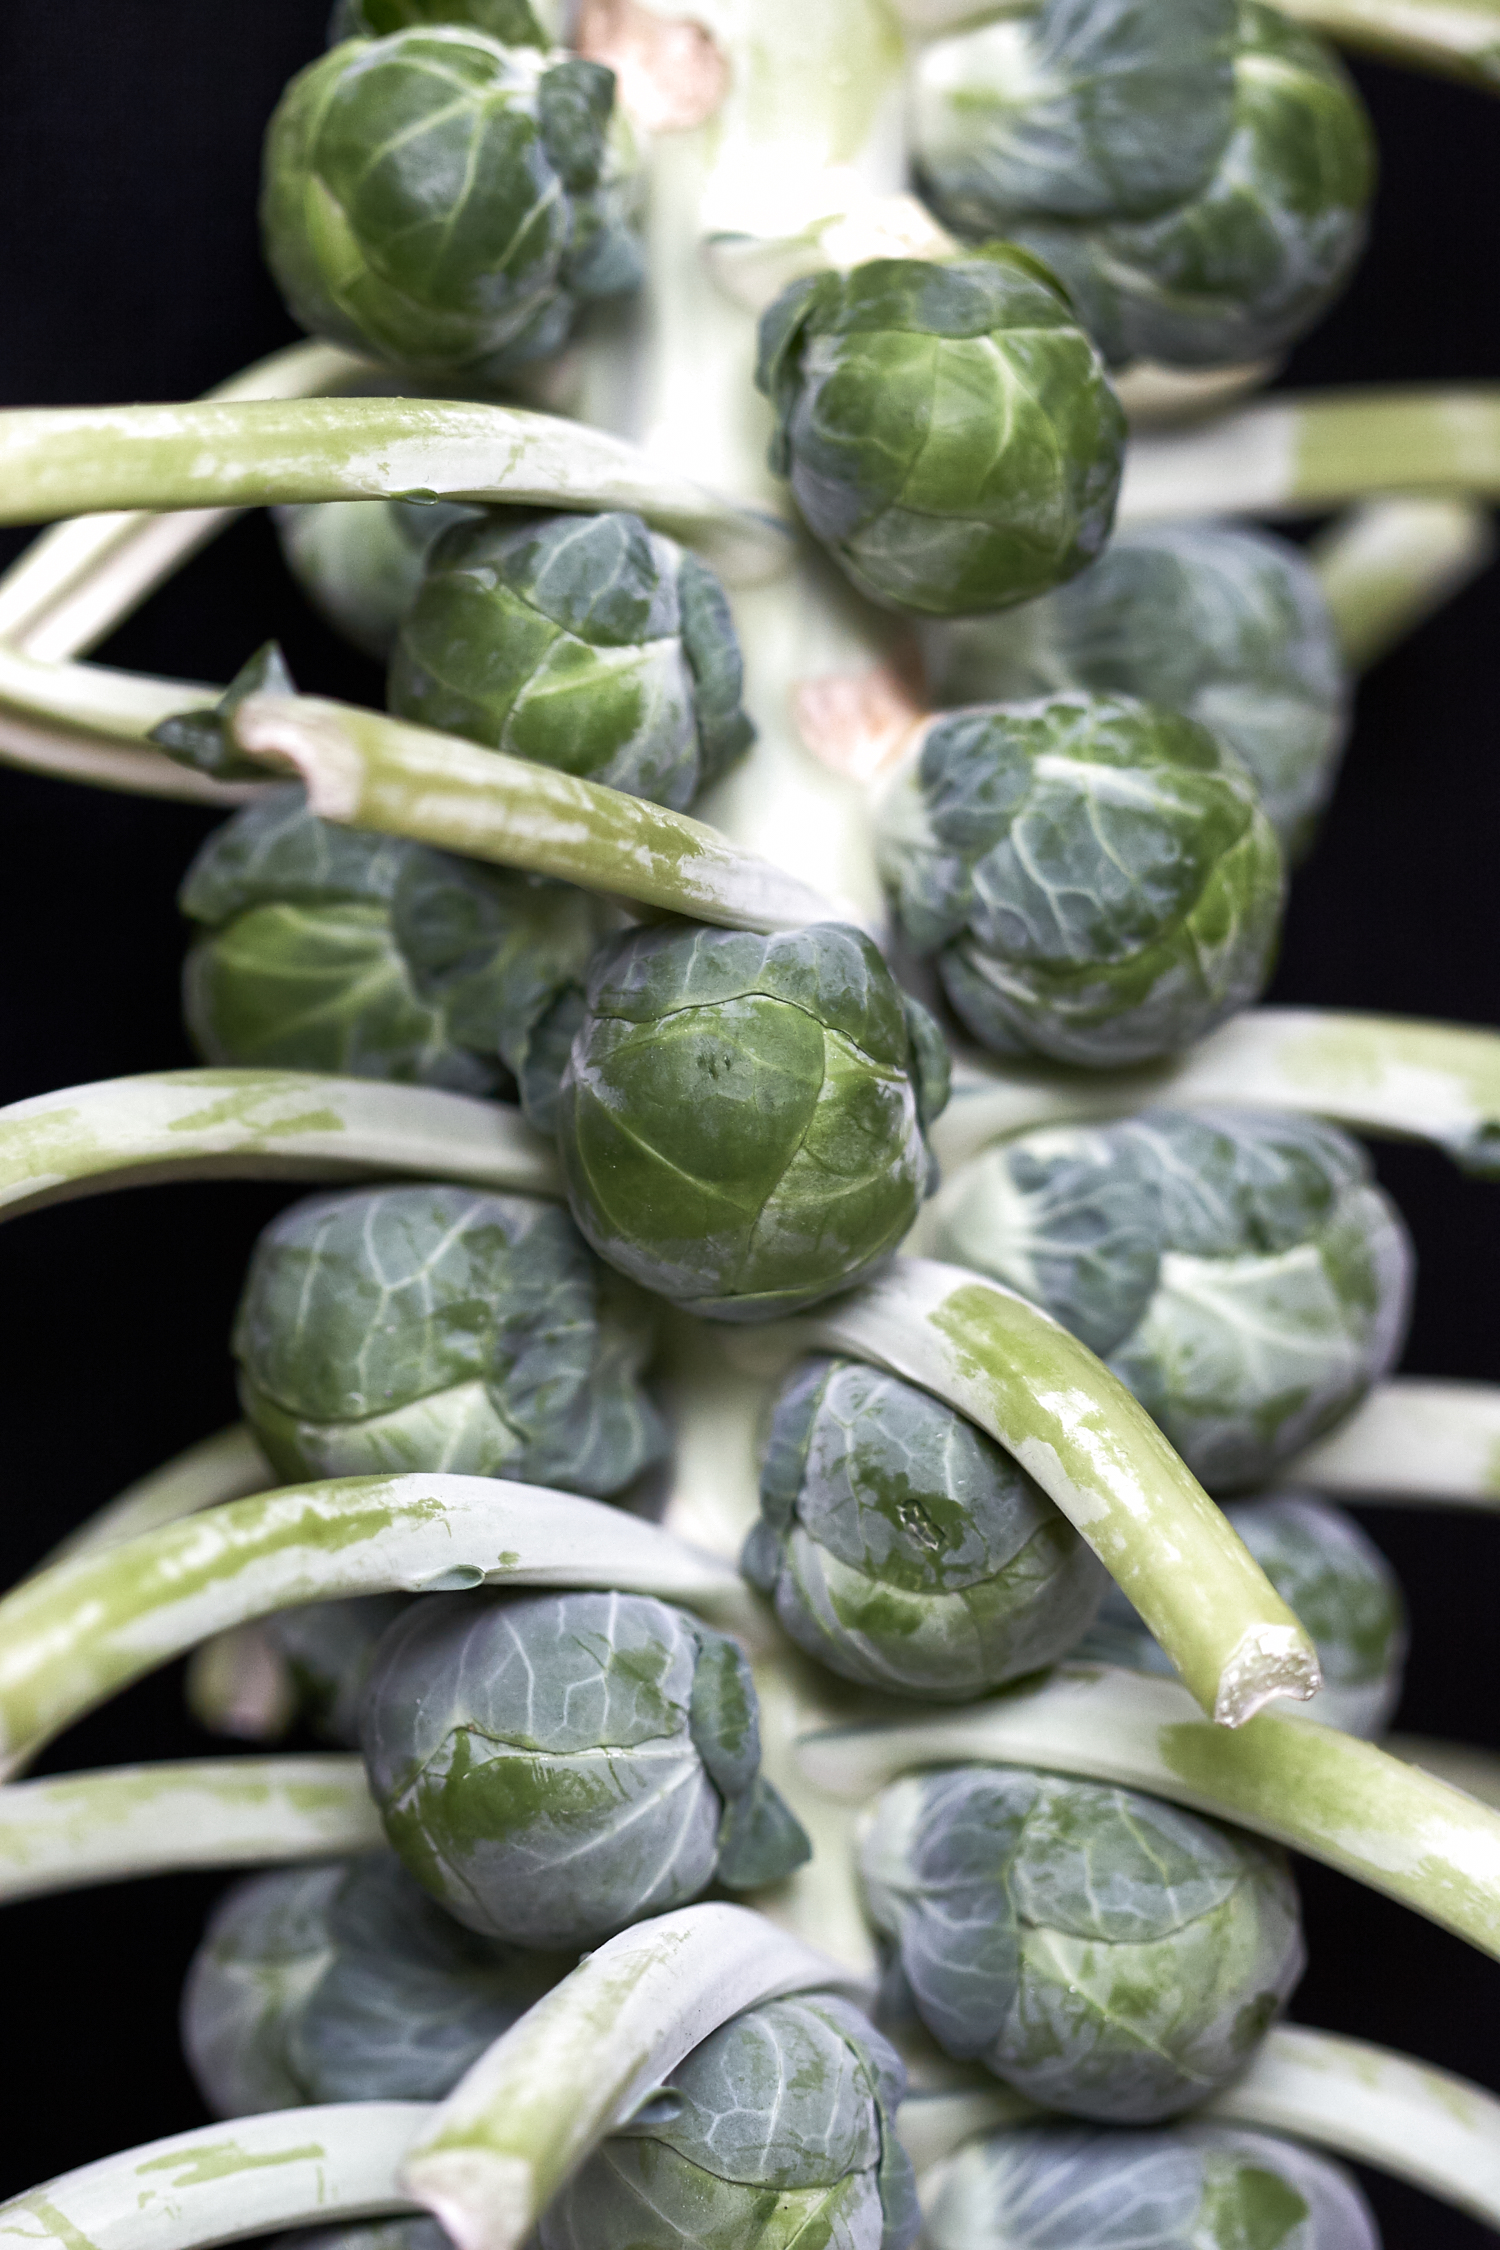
x,y
277,729
484,2201
1267,1661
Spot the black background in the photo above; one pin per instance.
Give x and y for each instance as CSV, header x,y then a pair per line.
x,y
129,270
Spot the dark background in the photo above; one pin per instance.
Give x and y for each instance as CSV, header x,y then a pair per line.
x,y
129,270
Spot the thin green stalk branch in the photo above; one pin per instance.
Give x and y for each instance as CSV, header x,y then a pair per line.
x,y
1045,1397
580,2062
61,460
258,1124
227,1466
1417,1440
368,771
78,581
1339,1800
1386,566
79,1632
1394,1077
1455,38
315,2167
84,722
75,1829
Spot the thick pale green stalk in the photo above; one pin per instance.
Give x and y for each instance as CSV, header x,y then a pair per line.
x,y
369,771
60,460
1387,566
1340,1800
227,1466
64,1833
1457,38
1391,1076
1045,1397
313,2167
529,2112
258,1124
1418,1440
84,1629
80,722
1298,454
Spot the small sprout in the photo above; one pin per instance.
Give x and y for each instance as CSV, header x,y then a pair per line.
x,y
741,1119
204,741
442,1328
360,562
1104,1954
1240,1271
904,1548
446,202
778,2129
345,1983
1094,875
552,1767
589,643
1198,2187
509,21
330,948
947,429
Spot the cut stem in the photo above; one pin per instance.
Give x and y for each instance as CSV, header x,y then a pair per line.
x,y
1455,38
1337,1799
1415,1441
258,1124
579,2063
67,1832
1386,567
84,1629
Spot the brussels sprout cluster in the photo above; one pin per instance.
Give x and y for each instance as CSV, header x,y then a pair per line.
x,y
589,643
441,1327
741,1118
1240,1271
1093,874
345,1983
329,948
446,202
778,2130
1226,625
947,429
552,1767
1105,1954
1198,2187
1197,172
903,1547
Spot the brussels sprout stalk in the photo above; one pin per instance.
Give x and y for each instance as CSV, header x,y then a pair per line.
x,y
227,1466
82,1630
583,2059
81,722
72,1830
1386,566
1416,1440
1456,38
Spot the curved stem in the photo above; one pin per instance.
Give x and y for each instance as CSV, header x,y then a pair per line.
x,y
1340,1800
227,1466
1387,566
67,1832
1476,1772
1099,1456
84,1629
579,2063
1455,38
1415,1441
258,1124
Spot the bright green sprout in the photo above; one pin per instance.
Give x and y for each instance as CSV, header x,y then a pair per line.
x,y
510,21
1094,875
552,1767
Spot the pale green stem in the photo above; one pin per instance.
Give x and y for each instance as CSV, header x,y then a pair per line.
x,y
1415,1441
1321,1792
373,772
61,460
65,1833
81,722
1391,1076
579,2063
1476,1772
1387,566
1097,1454
1299,454
227,1466
1456,38
75,584
85,1629
258,1124
318,2167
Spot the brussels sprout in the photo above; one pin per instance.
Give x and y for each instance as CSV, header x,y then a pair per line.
x,y
1094,875
345,1983
329,948
1105,1954
510,21
904,1547
585,642
1239,1270
741,1119
1339,1584
327,1649
1228,626
1199,2187
947,428
440,1327
446,202
778,2130
360,562
554,1766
